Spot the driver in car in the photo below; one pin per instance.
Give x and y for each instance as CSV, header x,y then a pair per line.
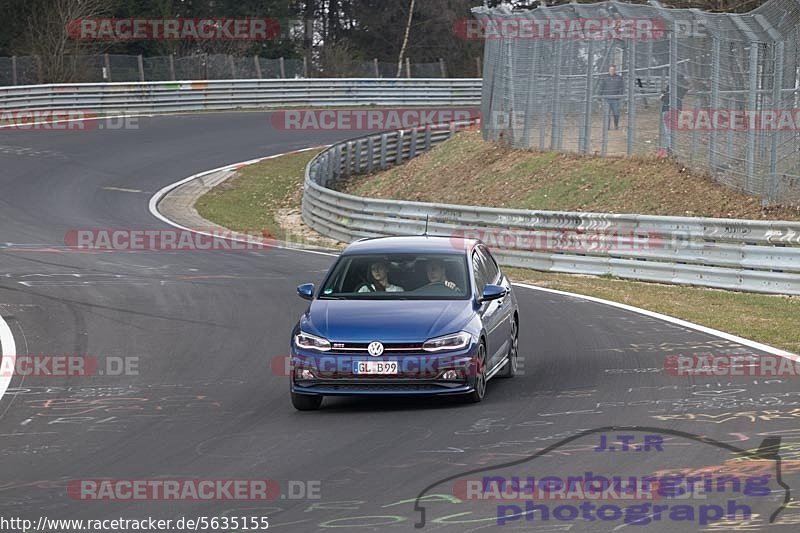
x,y
378,279
436,274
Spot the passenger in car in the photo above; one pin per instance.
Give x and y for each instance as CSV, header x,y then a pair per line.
x,y
378,279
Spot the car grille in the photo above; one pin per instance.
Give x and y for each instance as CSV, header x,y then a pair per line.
x,y
361,347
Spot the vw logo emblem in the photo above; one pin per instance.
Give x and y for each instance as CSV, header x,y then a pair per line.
x,y
375,349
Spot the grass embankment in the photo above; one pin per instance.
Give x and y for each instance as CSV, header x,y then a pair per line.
x,y
467,170
259,195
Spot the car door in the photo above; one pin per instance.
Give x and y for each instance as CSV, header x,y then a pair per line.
x,y
492,312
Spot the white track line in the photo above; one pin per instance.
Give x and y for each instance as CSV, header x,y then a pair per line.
x,y
7,350
666,318
672,320
157,197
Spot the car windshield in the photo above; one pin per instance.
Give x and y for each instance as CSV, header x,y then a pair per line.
x,y
398,277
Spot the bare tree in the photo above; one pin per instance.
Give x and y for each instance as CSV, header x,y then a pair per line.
x,y
405,39
49,38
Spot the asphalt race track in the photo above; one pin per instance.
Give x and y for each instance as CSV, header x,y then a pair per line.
x,y
206,403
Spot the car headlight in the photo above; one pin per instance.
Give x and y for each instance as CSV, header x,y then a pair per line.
x,y
311,342
454,341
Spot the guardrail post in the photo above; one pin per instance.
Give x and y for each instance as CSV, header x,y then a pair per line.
x,y
376,67
479,70
337,161
140,61
412,147
408,67
400,140
370,154
172,67
330,164
427,137
384,142
305,67
13,70
257,62
107,62
442,69
283,67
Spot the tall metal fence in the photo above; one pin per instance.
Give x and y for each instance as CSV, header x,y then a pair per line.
x,y
734,115
30,70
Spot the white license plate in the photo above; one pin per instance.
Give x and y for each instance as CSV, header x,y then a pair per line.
x,y
383,368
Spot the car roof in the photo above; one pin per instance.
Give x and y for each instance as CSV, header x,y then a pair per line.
x,y
411,244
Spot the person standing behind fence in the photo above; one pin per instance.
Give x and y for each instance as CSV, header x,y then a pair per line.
x,y
611,89
667,118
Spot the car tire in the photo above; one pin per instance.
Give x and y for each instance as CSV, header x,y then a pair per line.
x,y
479,386
306,402
510,370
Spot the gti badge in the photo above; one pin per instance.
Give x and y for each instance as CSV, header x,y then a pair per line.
x,y
375,349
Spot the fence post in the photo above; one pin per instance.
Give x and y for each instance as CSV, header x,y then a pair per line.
x,y
716,56
107,62
606,120
777,103
13,70
631,95
172,67
480,71
530,101
586,140
408,67
39,69
140,61
377,69
442,68
555,133
752,103
673,86
283,67
257,62
305,67
232,66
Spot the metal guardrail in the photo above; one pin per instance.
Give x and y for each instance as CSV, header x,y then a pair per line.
x,y
745,255
216,95
731,254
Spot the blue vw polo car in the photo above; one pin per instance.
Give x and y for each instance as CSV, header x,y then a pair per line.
x,y
405,315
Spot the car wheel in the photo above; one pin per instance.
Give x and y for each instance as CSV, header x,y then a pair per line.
x,y
479,385
510,370
306,402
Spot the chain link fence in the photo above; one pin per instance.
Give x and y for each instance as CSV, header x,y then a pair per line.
x,y
734,114
29,70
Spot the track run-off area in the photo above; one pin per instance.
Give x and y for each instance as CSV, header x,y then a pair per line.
x,y
206,403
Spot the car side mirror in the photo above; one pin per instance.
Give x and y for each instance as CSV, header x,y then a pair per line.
x,y
493,292
306,291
